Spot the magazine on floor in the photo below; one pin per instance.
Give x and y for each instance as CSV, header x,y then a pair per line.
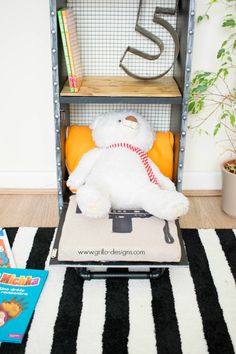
x,y
19,292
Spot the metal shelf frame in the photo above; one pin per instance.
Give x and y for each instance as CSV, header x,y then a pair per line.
x,y
121,99
182,75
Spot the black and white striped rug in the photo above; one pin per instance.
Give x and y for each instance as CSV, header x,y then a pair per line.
x,y
189,310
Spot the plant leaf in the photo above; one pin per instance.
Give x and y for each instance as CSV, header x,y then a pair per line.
x,y
230,22
224,115
191,106
224,43
199,89
232,120
199,19
223,72
217,127
220,53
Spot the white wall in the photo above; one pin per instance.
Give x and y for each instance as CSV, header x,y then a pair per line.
x,y
27,153
204,153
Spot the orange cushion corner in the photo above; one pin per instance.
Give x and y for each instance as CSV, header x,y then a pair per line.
x,y
79,141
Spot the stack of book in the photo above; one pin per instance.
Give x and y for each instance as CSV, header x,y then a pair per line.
x,y
71,48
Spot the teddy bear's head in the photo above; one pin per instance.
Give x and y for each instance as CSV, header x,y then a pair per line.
x,y
122,127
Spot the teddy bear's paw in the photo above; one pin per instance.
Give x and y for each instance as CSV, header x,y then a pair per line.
x,y
73,181
92,202
176,206
168,205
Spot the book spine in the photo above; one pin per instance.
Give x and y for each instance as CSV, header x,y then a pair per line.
x,y
63,37
71,25
70,53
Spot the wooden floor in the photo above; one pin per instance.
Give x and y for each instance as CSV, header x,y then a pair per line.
x,y
41,210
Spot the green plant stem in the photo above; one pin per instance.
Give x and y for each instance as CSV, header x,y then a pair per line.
x,y
206,118
231,142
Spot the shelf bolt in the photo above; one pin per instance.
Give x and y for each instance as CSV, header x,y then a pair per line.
x,y
191,32
60,208
188,69
180,165
52,13
192,13
57,130
58,148
186,102
56,101
59,193
184,117
182,149
179,180
183,133
55,83
56,116
59,164
187,85
189,51
53,31
53,50
54,68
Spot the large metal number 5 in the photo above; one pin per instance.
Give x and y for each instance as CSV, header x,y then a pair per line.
x,y
155,39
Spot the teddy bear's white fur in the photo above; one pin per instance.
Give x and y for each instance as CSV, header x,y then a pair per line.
x,y
115,177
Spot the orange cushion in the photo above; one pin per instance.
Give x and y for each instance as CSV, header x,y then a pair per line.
x,y
79,141
162,152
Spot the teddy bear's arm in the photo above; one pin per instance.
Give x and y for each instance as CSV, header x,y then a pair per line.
x,y
165,182
79,175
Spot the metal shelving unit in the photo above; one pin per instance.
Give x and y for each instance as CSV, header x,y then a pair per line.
x,y
105,28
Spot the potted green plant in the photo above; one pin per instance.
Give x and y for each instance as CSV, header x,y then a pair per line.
x,y
213,90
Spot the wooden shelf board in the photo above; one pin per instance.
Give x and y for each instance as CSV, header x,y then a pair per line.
x,y
124,86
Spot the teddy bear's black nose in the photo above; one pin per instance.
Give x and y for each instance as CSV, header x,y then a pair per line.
x,y
131,119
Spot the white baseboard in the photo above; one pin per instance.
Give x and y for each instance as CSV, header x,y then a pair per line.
x,y
202,180
28,179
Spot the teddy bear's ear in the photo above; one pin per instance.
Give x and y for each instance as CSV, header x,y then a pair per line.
x,y
131,119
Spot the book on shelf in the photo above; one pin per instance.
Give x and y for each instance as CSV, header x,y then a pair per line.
x,y
65,49
73,47
6,256
19,293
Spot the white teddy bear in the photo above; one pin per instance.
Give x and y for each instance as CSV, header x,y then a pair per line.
x,y
118,174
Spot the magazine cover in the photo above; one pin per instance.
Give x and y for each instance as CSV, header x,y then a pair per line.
x,y
6,257
19,293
